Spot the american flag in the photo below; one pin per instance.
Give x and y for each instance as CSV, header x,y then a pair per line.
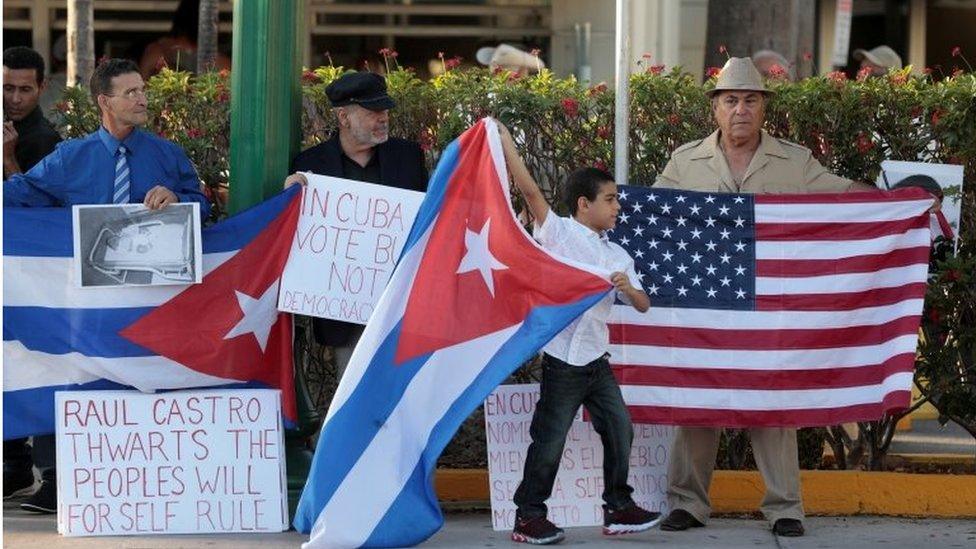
x,y
770,310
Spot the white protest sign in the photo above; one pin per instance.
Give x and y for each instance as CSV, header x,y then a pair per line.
x,y
577,493
183,462
349,237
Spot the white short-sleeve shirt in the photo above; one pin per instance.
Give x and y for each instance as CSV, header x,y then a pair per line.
x,y
588,337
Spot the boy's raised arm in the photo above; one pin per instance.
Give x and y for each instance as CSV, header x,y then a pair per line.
x,y
536,203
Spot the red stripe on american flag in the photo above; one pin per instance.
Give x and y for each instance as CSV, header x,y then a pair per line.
x,y
790,268
836,231
709,417
734,378
840,301
873,197
763,339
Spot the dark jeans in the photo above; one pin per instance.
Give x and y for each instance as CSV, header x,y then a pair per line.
x,y
20,456
564,388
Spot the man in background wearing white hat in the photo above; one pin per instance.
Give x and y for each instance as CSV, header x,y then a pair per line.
x,y
741,157
878,60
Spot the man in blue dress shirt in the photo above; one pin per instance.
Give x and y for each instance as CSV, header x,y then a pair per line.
x,y
118,164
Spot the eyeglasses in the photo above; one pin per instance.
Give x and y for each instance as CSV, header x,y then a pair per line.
x,y
131,95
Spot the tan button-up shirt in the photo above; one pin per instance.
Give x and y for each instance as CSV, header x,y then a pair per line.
x,y
778,166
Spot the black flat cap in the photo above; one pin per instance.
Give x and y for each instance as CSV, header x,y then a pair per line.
x,y
366,89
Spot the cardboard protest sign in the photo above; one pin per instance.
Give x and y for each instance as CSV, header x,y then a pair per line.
x,y
576,497
349,237
170,463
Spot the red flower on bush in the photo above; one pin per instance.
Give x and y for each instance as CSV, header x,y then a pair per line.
x,y
62,106
864,143
777,72
600,165
603,132
655,69
674,119
957,72
713,72
194,133
426,139
224,73
863,74
453,62
599,88
309,77
956,51
223,97
837,76
899,78
535,52
936,117
389,52
570,107
721,48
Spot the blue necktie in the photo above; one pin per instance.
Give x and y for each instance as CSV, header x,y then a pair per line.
x,y
120,194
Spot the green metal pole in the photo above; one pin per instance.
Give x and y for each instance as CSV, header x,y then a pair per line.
x,y
265,134
266,98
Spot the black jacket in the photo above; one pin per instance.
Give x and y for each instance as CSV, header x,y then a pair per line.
x,y
401,166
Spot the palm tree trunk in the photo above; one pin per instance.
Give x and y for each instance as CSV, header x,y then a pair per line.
x,y
81,42
207,36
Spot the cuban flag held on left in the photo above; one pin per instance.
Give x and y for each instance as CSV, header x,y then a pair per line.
x,y
223,332
472,298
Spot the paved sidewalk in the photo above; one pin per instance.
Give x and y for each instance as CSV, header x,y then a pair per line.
x,y
463,530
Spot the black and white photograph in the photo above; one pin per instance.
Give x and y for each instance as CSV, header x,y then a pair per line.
x,y
131,245
940,179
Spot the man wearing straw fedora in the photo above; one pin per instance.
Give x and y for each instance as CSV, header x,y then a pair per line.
x,y
741,157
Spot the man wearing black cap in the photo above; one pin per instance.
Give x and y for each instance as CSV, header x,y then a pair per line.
x,y
361,150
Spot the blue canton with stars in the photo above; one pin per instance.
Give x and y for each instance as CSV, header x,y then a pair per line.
x,y
690,249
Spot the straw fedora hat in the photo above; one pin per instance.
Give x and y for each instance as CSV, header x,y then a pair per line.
x,y
882,56
739,74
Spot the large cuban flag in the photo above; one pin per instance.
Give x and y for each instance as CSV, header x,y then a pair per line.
x,y
225,331
472,298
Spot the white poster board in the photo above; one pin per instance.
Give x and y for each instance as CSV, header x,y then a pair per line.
x,y
186,462
349,237
577,493
948,176
131,245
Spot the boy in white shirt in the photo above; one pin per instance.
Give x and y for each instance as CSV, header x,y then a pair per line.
x,y
575,366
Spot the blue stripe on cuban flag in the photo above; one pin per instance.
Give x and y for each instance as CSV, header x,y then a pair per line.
x,y
371,478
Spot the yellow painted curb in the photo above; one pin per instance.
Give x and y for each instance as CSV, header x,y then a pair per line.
x,y
824,492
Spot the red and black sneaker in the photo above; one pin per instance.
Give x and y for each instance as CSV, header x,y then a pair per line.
x,y
628,520
537,531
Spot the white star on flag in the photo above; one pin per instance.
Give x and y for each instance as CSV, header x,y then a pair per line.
x,y
259,315
477,256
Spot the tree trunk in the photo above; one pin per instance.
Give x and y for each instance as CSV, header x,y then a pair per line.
x,y
81,42
746,26
207,36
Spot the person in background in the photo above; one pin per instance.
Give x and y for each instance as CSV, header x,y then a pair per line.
x,y
878,60
178,49
27,138
772,64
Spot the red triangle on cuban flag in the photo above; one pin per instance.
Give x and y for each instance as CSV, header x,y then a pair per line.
x,y
480,272
229,326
